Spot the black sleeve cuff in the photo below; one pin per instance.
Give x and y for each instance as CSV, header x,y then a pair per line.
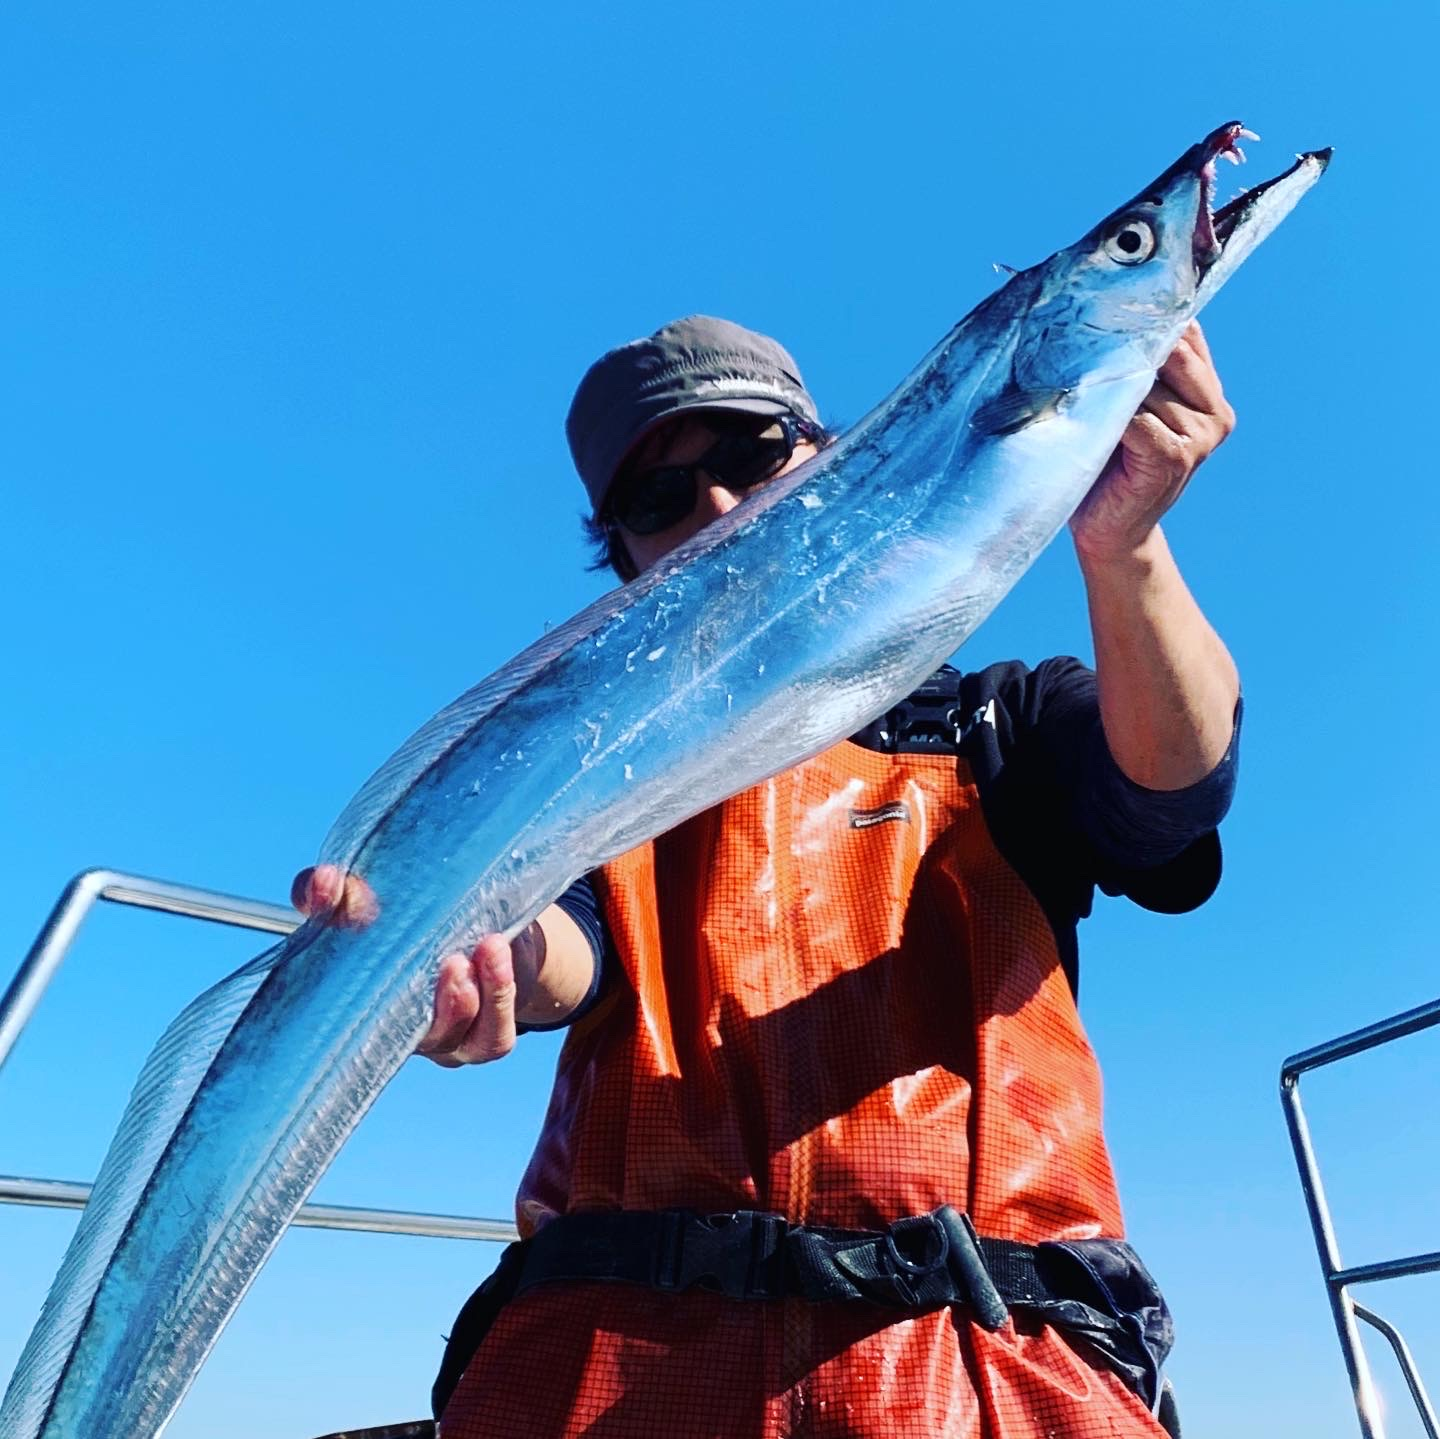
x,y
1160,847
581,904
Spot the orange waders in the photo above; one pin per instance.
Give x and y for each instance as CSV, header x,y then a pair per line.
x,y
837,1002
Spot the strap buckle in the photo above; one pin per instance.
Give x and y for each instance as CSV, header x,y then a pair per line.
x,y
740,1255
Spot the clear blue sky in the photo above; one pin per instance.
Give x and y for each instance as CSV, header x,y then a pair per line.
x,y
293,301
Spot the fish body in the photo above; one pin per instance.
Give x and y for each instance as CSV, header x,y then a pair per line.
x,y
784,626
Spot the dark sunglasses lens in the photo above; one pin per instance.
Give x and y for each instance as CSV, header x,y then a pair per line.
x,y
740,461
654,500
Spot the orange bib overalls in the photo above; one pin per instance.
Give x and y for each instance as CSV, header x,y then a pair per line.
x,y
838,1002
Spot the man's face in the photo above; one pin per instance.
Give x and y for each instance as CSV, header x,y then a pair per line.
x,y
682,441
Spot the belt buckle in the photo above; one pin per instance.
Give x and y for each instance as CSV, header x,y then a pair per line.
x,y
740,1255
765,1274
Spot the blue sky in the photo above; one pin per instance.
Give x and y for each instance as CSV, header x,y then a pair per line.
x,y
294,300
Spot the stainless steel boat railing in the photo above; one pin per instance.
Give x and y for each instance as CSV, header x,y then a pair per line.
x,y
38,968
1338,1279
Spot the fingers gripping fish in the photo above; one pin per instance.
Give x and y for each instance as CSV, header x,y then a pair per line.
x,y
776,631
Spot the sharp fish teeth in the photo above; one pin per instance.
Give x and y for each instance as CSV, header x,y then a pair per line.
x,y
1234,154
1247,135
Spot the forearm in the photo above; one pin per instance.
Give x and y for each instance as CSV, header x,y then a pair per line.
x,y
1167,684
554,966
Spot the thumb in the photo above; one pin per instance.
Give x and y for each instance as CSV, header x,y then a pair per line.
x,y
493,1034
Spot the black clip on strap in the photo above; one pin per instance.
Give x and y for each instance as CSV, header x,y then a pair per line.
x,y
968,1266
920,1262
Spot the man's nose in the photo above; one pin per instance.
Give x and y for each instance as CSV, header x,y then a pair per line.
x,y
716,499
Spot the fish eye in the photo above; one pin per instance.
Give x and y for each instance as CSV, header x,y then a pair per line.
x,y
1131,242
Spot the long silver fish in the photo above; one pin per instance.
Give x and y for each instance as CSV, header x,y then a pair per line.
x,y
778,630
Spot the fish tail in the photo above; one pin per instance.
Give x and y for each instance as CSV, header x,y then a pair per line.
x,y
163,1092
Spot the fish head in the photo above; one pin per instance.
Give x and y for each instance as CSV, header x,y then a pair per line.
x,y
1114,304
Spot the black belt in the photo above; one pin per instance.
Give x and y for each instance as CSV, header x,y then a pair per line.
x,y
1095,1289
923,1262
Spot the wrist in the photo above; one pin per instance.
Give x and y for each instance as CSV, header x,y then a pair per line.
x,y
1104,564
528,952
555,969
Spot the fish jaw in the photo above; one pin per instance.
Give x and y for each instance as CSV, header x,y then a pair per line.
x,y
1114,304
1194,172
1222,238
1248,219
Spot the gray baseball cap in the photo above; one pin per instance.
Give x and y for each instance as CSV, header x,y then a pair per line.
x,y
698,363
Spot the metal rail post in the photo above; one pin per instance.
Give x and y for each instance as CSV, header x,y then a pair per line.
x,y
1337,1278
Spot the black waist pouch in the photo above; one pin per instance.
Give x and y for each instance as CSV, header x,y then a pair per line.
x,y
1106,1303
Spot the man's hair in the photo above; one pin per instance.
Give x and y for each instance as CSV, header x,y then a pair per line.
x,y
607,548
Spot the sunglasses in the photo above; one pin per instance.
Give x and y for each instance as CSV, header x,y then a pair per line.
x,y
747,452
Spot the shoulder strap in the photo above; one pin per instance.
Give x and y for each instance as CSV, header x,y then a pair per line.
x,y
927,721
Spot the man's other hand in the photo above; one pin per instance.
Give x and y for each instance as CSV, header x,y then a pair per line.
x,y
344,899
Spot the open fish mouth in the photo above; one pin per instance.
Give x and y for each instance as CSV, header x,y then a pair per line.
x,y
1215,228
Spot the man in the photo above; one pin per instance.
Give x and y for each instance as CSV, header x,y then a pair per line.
x,y
839,1008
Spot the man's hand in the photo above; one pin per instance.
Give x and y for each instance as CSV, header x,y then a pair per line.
x,y
1168,686
474,994
474,1007
1184,417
